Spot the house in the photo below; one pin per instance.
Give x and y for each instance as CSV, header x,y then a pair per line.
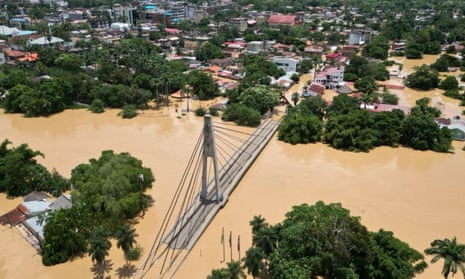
x,y
234,49
35,208
240,23
360,36
288,64
349,50
456,125
223,62
283,20
255,47
283,47
14,216
384,107
316,89
336,58
62,202
331,77
344,89
46,41
8,31
313,49
36,196
13,55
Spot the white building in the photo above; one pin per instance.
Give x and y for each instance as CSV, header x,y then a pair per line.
x,y
331,77
47,41
288,64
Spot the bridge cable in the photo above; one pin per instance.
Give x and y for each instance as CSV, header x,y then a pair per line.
x,y
157,242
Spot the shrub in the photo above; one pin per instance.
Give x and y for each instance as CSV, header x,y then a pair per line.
x,y
453,93
389,98
97,106
129,111
213,111
200,112
135,253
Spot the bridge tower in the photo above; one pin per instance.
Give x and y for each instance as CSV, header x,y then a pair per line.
x,y
209,152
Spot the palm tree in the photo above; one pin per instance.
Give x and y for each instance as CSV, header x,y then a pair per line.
x,y
99,246
452,252
253,261
126,238
257,223
235,270
265,239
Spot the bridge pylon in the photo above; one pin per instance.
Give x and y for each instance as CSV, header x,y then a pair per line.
x,y
209,152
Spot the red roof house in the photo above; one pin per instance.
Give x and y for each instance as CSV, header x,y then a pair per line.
x,y
317,88
288,20
14,216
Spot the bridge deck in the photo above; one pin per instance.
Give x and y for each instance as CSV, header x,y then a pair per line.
x,y
192,223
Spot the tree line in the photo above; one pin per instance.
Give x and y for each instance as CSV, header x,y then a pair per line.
x,y
325,241
132,73
345,125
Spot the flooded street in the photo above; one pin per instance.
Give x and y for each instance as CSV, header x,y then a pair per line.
x,y
417,195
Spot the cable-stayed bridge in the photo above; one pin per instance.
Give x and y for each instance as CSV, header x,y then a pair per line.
x,y
221,157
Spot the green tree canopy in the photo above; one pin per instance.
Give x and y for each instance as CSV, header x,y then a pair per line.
x,y
420,131
260,97
99,245
111,187
324,240
126,239
242,115
20,173
298,128
449,83
65,235
377,48
202,85
424,78
208,51
69,61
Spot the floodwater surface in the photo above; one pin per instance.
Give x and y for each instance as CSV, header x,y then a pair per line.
x,y
417,195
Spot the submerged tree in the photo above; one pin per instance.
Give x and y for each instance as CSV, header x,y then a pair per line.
x,y
126,238
20,173
99,245
111,188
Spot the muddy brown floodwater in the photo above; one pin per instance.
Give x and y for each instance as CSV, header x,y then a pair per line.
x,y
417,195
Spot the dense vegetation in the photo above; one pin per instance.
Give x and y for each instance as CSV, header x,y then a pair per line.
x,y
107,192
324,240
349,127
246,108
132,73
20,173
